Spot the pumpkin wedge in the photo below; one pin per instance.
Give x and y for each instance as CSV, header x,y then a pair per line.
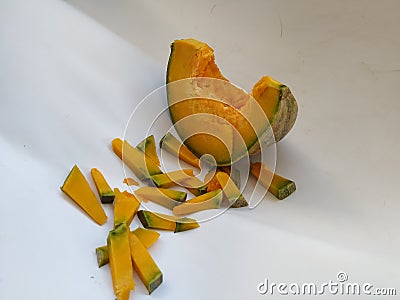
x,y
231,191
125,207
147,236
165,222
105,192
277,185
164,197
139,163
144,265
251,118
211,200
172,145
78,189
148,147
120,261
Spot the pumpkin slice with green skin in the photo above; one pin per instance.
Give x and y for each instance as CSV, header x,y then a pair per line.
x,y
105,192
125,207
147,236
139,163
277,185
144,265
190,58
78,189
164,197
211,180
120,261
154,220
183,178
148,146
211,200
172,145
231,191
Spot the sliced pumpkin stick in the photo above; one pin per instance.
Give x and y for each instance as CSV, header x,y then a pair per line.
x,y
184,178
120,261
147,236
278,186
125,207
165,222
130,181
148,146
170,179
144,265
231,191
105,192
139,163
78,189
172,145
206,201
102,256
164,197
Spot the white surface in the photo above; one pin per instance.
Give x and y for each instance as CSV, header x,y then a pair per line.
x,y
68,85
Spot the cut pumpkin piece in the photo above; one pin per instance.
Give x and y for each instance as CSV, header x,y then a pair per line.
x,y
120,261
144,265
148,147
165,222
172,145
206,93
78,189
130,181
147,236
183,178
164,197
231,191
211,200
277,185
137,161
105,192
102,256
125,207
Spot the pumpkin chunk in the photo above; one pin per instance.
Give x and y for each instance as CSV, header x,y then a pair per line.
x,y
172,145
165,222
144,265
161,196
105,192
130,181
148,147
277,185
125,207
231,191
120,261
139,163
78,189
206,201
147,236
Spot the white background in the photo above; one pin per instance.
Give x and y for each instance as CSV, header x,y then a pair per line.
x,y
68,84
